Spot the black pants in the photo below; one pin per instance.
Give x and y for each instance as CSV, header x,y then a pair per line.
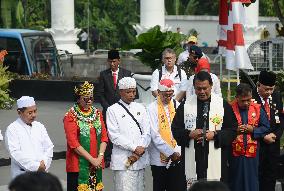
x,y
268,165
172,179
72,181
108,150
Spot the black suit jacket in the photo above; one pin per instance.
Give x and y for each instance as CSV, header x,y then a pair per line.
x,y
107,94
276,108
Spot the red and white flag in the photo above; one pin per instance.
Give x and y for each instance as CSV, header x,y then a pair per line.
x,y
222,29
236,54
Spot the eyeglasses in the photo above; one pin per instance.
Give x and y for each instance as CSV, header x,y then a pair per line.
x,y
86,99
169,58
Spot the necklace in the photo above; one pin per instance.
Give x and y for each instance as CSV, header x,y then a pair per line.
x,y
88,117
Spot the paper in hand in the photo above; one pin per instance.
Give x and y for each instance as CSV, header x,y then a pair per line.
x,y
176,149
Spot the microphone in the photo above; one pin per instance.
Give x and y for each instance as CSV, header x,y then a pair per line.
x,y
205,115
205,109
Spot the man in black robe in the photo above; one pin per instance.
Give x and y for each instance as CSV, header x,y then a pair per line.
x,y
221,138
271,102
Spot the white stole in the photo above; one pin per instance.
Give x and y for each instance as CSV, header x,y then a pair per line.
x,y
214,156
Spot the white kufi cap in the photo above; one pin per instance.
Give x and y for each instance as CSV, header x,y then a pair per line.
x,y
127,83
25,101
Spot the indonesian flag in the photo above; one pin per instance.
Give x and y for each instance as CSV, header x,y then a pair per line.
x,y
222,29
236,54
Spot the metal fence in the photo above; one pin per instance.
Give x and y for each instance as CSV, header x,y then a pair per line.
x,y
267,54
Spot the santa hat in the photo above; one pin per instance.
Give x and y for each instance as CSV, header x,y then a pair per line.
x,y
166,85
25,101
127,83
203,63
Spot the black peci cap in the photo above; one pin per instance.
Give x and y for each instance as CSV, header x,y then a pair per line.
x,y
267,78
113,54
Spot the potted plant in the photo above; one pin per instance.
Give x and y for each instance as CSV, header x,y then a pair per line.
x,y
152,43
5,101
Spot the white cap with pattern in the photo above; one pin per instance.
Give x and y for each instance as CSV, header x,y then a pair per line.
x,y
127,83
25,101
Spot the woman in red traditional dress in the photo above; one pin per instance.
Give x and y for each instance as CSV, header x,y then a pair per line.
x,y
86,142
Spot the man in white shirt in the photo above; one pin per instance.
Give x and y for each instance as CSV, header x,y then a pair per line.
x,y
163,148
84,39
27,141
187,88
129,131
192,40
168,71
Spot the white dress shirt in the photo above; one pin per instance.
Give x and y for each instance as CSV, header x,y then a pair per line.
x,y
1,137
187,85
158,145
27,146
167,75
126,136
116,72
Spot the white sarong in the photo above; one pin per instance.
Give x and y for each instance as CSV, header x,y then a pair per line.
x,y
129,180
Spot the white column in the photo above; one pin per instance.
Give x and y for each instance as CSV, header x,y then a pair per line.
x,y
252,29
152,13
62,26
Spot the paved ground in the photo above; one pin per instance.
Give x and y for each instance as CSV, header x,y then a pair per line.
x,y
51,115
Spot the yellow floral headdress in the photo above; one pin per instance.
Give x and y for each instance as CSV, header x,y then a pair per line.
x,y
84,90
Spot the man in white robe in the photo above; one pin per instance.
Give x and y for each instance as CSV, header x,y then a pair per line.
x,y
27,141
129,131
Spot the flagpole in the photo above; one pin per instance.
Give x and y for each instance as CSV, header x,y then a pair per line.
x,y
238,76
229,86
221,68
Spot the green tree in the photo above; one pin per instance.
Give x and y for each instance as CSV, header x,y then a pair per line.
x,y
11,13
38,14
113,19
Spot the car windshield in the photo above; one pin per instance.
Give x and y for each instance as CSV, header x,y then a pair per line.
x,y
42,54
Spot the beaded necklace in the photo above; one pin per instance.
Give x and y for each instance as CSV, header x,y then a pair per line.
x,y
88,117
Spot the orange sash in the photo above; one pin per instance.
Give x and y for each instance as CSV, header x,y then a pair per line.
x,y
253,120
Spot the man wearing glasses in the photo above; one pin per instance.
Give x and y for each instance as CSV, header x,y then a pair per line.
x,y
168,71
163,148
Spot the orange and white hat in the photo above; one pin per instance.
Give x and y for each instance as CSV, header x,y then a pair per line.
x,y
166,85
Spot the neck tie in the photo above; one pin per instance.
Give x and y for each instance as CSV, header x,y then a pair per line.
x,y
267,109
114,80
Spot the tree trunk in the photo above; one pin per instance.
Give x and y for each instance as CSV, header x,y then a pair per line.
x,y
278,11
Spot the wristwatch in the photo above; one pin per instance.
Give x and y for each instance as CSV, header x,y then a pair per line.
x,y
101,154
